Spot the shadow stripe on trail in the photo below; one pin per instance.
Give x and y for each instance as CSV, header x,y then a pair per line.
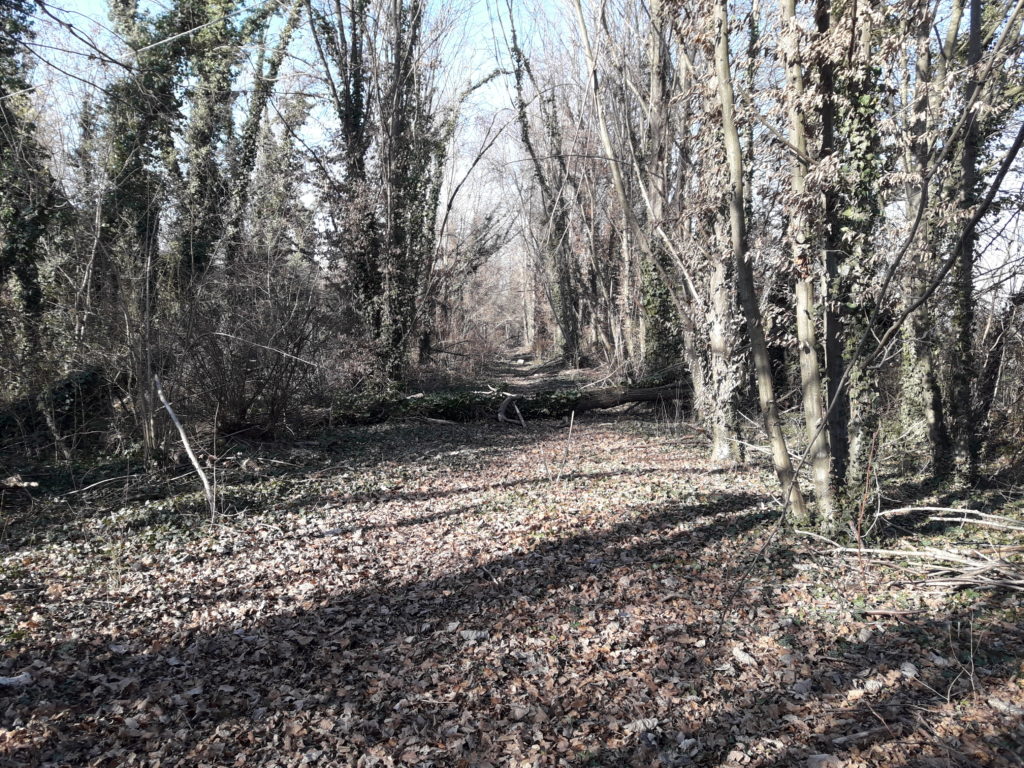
x,y
235,676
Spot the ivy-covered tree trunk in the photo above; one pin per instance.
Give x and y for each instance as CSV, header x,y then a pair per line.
x,y
201,220
861,208
838,401
28,197
850,131
243,159
963,375
556,259
921,408
27,193
662,344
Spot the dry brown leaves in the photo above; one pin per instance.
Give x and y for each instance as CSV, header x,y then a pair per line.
x,y
473,596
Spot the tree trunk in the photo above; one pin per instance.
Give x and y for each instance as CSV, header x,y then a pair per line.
x,y
921,396
962,372
745,274
838,399
810,370
725,369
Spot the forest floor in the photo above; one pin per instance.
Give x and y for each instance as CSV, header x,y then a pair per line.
x,y
431,594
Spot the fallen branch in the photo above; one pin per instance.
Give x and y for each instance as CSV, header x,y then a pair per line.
x,y
510,407
565,402
1017,585
973,517
907,510
188,447
503,412
947,568
963,516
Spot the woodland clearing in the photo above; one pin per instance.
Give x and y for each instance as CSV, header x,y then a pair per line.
x,y
524,383
478,594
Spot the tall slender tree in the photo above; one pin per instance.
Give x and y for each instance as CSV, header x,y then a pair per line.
x,y
745,272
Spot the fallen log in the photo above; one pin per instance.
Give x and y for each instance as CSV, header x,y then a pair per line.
x,y
510,407
555,405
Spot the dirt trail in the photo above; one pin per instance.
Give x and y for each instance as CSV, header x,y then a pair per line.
x,y
527,376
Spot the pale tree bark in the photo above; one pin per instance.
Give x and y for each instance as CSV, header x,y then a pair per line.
x,y
806,309
745,273
724,367
716,381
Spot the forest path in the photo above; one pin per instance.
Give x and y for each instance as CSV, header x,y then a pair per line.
x,y
525,375
473,595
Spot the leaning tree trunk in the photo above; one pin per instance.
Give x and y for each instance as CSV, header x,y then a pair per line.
x,y
745,274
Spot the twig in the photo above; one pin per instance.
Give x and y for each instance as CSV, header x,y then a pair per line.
x,y
905,510
99,483
568,445
264,346
839,740
522,421
188,448
988,521
889,612
819,536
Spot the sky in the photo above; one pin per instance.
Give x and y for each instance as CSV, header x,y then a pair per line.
x,y
476,48
67,69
